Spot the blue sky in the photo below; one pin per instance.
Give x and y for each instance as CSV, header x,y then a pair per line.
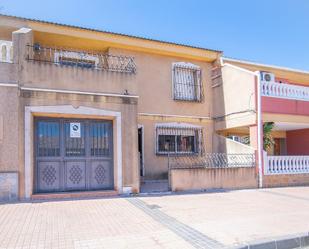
x,y
266,31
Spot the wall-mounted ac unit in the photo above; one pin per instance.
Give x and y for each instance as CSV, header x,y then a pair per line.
x,y
269,77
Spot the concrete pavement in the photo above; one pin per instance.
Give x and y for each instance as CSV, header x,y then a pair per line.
x,y
202,220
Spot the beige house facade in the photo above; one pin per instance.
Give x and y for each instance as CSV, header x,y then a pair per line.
x,y
92,113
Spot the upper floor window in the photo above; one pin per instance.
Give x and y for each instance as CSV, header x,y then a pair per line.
x,y
187,82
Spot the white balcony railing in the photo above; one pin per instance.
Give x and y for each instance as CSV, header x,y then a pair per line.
x,y
6,51
277,165
283,90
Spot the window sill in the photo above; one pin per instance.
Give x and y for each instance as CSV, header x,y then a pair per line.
x,y
177,154
188,100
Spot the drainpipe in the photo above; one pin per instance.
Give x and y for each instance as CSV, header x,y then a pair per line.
x,y
259,130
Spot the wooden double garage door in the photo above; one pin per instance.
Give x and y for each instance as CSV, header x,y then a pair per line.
x,y
73,155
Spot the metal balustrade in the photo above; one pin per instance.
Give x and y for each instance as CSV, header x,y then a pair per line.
x,y
283,90
81,59
276,165
6,51
212,160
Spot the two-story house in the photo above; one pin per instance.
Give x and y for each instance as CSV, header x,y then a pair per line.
x,y
87,110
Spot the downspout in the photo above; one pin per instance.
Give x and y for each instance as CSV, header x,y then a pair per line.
x,y
259,130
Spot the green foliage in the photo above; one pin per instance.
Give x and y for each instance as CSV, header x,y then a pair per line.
x,y
268,140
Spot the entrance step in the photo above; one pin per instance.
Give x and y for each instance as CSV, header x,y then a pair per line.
x,y
69,195
154,186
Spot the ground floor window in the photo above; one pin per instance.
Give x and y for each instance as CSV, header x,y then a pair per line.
x,y
178,139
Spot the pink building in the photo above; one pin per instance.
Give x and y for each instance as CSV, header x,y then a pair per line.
x,y
282,98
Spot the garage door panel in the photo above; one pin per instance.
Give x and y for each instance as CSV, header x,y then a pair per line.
x,y
75,175
101,175
73,154
48,176
100,139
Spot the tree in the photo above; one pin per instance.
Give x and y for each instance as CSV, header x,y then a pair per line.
x,y
268,140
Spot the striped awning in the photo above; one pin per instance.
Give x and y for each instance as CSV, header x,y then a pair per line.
x,y
183,129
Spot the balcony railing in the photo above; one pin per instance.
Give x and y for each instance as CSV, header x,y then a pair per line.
x,y
212,160
277,165
6,51
283,90
80,59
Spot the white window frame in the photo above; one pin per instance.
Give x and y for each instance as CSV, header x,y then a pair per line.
x,y
197,85
198,139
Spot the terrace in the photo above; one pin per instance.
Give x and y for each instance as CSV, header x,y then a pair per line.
x,y
81,59
284,90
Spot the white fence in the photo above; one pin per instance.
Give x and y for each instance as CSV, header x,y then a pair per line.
x,y
6,51
279,165
283,90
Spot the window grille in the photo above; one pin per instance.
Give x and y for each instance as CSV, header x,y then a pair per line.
x,y
187,82
179,140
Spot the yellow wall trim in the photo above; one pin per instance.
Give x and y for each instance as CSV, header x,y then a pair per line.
x,y
122,41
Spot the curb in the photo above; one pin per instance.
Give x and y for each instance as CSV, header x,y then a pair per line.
x,y
286,242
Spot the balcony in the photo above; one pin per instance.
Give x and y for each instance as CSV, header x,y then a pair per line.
x,y
276,165
285,91
81,59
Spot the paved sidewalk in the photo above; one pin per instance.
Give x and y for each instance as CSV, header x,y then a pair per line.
x,y
207,220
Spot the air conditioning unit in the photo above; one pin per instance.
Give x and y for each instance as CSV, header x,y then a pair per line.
x,y
269,77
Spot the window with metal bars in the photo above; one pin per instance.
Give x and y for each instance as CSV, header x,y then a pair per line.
x,y
48,139
186,140
187,82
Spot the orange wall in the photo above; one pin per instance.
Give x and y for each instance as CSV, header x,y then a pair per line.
x,y
298,142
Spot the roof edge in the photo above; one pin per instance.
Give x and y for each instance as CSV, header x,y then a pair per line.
x,y
112,33
264,65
